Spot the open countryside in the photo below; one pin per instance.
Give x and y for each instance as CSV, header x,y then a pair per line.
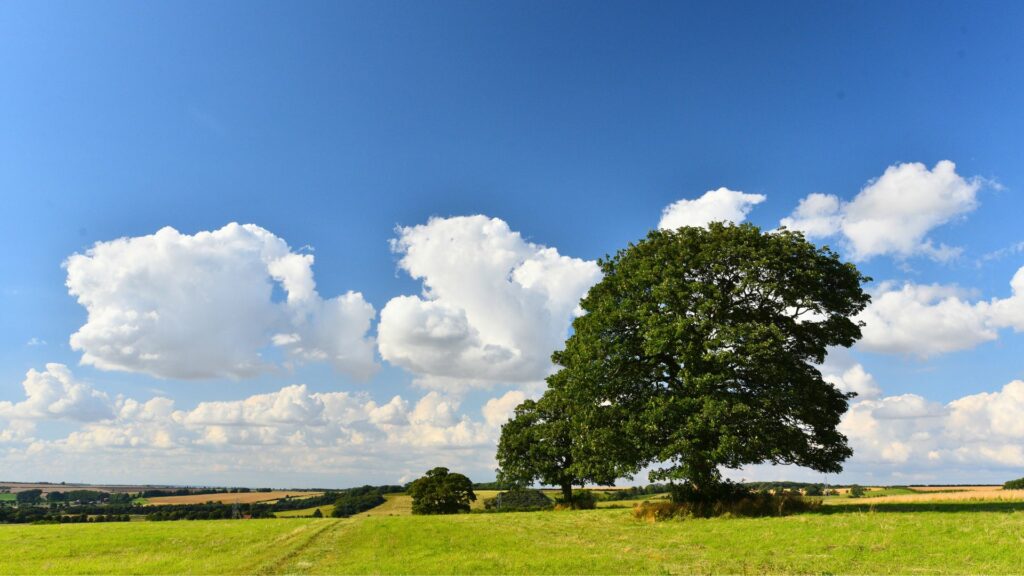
x,y
511,287
847,536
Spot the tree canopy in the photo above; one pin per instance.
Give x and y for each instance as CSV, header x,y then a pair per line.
x,y
441,492
699,349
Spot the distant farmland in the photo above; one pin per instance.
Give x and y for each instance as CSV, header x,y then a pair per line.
x,y
230,497
972,494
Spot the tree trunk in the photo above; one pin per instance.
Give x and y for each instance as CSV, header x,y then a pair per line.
x,y
567,493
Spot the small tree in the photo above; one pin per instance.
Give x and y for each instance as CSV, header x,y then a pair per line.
x,y
441,492
542,443
318,514
856,491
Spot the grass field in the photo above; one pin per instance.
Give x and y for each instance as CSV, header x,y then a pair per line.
x,y
8,497
306,512
229,498
929,537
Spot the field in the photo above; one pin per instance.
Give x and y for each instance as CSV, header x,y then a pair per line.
x,y
988,495
229,498
8,497
953,488
967,536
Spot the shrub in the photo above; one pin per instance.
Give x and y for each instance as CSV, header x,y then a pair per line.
x,y
1017,484
581,500
752,505
519,500
856,491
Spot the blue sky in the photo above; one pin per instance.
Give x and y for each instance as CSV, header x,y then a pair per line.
x,y
331,124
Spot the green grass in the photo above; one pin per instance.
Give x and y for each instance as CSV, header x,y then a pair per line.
x,y
889,491
326,510
905,538
7,497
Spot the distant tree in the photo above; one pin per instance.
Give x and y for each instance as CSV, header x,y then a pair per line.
x,y
856,491
1017,484
318,514
441,492
699,349
814,490
28,496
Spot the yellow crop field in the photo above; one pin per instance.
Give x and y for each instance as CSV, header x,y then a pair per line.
x,y
990,494
953,488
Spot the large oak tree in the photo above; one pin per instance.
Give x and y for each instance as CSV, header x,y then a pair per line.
x,y
699,349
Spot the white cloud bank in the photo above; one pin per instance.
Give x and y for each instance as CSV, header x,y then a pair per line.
x,y
893,214
985,429
178,306
928,320
493,307
332,432
713,206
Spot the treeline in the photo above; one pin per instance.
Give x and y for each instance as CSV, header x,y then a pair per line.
x,y
159,492
356,500
35,515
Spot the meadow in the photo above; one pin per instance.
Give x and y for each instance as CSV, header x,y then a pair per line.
x,y
966,536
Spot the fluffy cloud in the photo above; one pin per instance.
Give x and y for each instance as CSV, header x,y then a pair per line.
x,y
893,214
714,206
202,306
493,308
985,429
927,320
842,371
55,394
292,428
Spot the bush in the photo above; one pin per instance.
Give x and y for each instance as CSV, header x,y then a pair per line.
x,y
1017,484
856,491
519,500
752,505
581,500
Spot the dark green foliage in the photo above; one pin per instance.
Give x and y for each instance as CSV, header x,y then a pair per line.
x,y
1017,484
752,505
353,502
28,496
441,492
519,500
636,492
814,490
699,349
856,491
542,444
581,500
317,513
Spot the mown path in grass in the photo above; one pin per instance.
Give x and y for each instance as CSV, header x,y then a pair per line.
x,y
904,539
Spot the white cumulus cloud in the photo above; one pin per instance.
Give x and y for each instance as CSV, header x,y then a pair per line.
x,y
174,305
55,394
928,320
893,214
913,433
493,307
714,206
